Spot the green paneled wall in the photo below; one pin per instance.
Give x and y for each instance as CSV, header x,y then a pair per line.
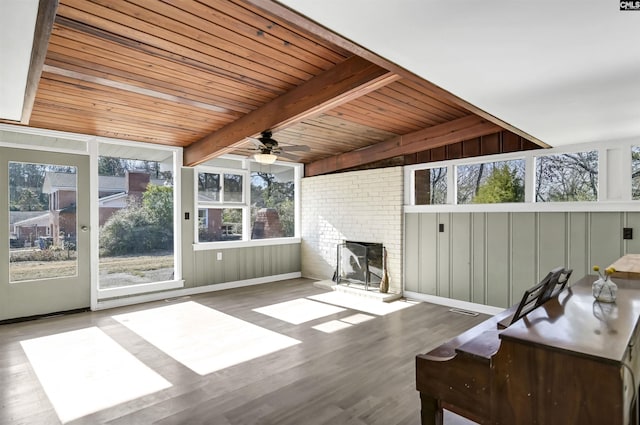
x,y
245,263
201,268
491,258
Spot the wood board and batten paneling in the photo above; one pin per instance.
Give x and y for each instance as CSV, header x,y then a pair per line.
x,y
240,264
606,238
429,268
552,241
412,275
201,267
497,243
579,241
460,225
491,258
443,265
524,247
478,255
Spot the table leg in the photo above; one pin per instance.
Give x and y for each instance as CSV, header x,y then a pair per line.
x,y
431,412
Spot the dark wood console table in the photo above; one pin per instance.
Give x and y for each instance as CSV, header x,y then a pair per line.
x,y
570,361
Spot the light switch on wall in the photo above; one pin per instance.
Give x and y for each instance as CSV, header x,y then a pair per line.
x,y
219,256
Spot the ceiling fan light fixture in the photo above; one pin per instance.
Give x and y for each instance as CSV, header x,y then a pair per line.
x,y
265,158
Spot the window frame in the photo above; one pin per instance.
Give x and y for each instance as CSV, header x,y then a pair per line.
x,y
547,155
221,204
503,161
222,172
447,191
244,169
614,165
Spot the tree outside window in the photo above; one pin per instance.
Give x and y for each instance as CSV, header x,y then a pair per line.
x,y
635,172
491,182
431,186
568,177
272,205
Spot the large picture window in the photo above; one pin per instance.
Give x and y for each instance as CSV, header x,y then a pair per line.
x,y
136,217
567,177
272,202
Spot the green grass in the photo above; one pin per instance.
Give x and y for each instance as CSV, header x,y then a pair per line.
x,y
134,265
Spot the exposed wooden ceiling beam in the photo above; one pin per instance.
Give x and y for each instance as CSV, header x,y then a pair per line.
x,y
318,30
346,81
42,33
455,131
181,100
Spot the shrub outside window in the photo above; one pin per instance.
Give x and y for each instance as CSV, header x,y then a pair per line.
x,y
567,177
491,182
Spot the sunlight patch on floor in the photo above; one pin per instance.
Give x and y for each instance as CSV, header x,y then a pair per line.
x,y
332,326
201,338
85,371
364,304
299,311
357,318
346,322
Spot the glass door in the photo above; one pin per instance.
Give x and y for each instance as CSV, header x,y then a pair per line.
x,y
45,208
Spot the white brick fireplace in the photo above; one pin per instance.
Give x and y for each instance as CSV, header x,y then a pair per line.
x,y
358,206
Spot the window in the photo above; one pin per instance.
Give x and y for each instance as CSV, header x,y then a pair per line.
x,y
272,202
220,187
42,234
219,224
209,187
221,205
431,186
491,182
136,217
243,204
567,177
635,172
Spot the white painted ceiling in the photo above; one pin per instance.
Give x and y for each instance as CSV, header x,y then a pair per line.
x,y
563,71
17,23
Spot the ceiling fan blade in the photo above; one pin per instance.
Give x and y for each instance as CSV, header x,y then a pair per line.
x,y
256,142
296,148
287,156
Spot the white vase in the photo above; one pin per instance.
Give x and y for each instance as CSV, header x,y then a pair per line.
x,y
605,290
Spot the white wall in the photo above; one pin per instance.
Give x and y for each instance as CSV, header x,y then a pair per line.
x,y
359,205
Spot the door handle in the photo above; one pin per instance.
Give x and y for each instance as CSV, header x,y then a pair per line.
x,y
84,228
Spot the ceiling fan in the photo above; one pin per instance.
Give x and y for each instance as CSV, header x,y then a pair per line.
x,y
268,149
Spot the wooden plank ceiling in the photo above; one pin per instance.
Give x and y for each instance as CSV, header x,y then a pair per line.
x,y
207,74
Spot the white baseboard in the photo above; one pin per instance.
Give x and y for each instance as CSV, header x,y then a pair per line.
x,y
449,302
102,305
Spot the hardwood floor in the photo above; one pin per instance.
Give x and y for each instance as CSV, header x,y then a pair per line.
x,y
362,374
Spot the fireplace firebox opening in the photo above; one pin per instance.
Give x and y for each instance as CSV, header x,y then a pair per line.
x,y
360,264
